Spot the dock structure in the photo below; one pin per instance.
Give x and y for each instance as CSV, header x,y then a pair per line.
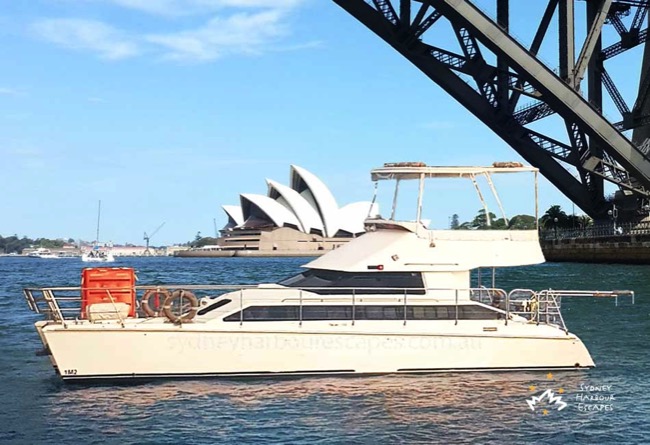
x,y
627,243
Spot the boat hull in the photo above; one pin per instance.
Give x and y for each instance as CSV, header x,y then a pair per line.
x,y
107,259
166,351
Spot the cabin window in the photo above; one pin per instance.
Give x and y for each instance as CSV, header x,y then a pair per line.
x,y
362,282
214,306
476,312
327,312
271,313
363,312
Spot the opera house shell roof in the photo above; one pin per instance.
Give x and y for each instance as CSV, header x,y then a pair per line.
x,y
306,205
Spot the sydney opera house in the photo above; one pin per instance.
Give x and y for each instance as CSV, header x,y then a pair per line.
x,y
302,217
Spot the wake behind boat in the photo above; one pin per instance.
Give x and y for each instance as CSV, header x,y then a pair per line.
x,y
398,299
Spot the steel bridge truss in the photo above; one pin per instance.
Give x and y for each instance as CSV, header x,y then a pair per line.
x,y
491,73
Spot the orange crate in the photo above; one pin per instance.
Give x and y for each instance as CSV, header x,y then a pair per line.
x,y
97,282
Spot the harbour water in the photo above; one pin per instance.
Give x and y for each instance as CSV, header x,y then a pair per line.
x,y
609,404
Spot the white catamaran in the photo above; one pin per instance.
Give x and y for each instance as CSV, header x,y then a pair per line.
x,y
397,299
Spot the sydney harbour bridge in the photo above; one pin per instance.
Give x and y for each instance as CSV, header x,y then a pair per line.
x,y
599,162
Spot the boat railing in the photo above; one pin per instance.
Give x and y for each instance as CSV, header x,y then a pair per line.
x,y
544,307
63,304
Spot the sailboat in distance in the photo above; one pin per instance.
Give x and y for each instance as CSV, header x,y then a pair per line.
x,y
98,254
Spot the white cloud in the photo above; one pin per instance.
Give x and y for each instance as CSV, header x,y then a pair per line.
x,y
225,27
185,7
25,156
88,35
8,91
26,152
247,33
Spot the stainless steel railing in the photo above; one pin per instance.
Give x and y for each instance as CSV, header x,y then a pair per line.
x,y
63,304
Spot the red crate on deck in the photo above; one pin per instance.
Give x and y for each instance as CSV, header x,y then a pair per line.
x,y
99,284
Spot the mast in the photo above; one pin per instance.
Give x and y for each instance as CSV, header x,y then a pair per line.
x,y
99,213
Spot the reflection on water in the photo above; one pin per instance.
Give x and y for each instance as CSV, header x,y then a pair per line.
x,y
362,403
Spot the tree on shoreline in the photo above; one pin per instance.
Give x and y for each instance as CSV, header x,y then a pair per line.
x,y
13,244
554,217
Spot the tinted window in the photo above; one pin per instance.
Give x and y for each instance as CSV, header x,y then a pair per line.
x,y
319,278
266,313
214,306
476,312
363,312
327,312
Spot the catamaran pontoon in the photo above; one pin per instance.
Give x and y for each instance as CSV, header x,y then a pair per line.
x,y
395,300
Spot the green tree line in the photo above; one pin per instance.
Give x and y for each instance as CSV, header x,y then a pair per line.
x,y
14,244
554,217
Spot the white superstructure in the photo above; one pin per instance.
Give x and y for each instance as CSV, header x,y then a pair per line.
x,y
395,300
43,253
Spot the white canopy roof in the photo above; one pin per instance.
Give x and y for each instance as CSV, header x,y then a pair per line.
x,y
414,170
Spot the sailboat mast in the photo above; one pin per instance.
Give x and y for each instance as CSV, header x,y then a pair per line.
x,y
99,213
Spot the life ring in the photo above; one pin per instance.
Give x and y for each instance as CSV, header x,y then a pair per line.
x,y
154,309
181,306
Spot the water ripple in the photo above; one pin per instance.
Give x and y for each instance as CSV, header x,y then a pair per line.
x,y
448,408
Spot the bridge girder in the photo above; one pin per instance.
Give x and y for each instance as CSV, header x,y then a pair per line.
x,y
492,72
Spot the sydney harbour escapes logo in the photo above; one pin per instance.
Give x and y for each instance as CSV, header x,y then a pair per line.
x,y
547,399
587,398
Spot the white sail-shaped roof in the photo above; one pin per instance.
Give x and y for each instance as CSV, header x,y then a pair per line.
x,y
307,215
235,215
260,207
311,188
352,216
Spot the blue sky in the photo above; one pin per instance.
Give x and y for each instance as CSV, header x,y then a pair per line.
x,y
167,109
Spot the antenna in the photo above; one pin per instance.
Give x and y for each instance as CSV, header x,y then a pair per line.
x,y
146,238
